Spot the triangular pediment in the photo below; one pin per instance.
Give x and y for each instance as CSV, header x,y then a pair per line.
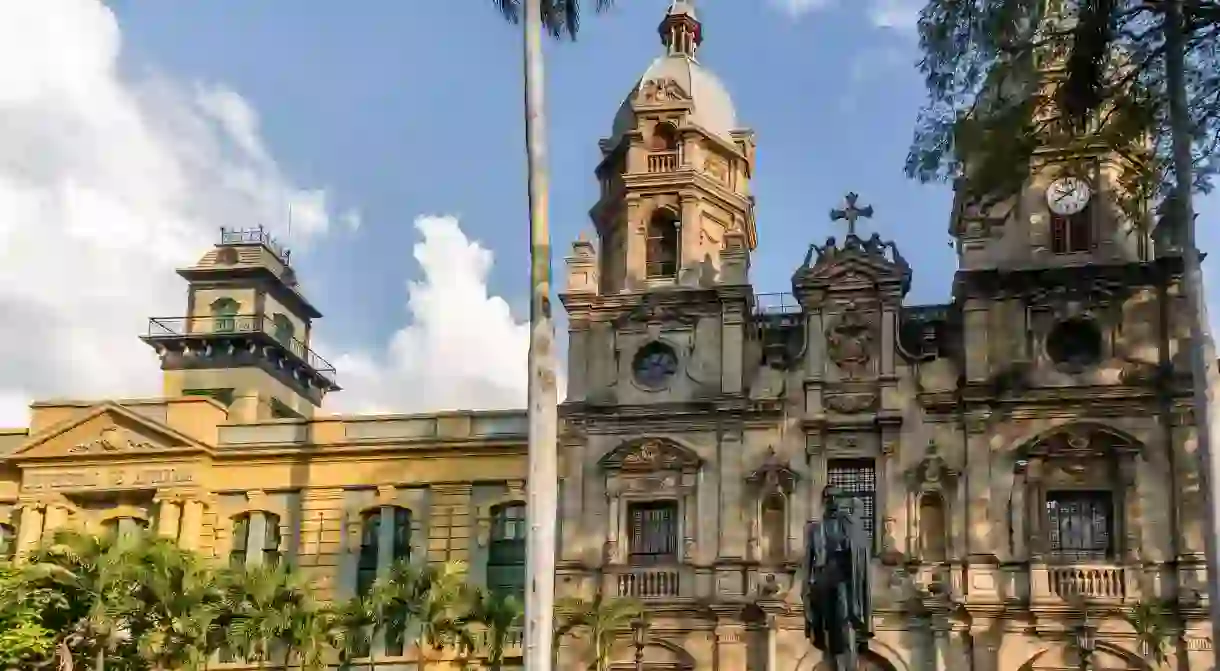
x,y
108,431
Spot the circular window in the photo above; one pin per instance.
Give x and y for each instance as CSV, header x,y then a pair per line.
x,y
1075,343
654,364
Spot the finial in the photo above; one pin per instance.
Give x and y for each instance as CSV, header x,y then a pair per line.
x,y
681,32
851,213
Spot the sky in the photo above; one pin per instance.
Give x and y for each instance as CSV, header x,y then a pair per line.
x,y
383,141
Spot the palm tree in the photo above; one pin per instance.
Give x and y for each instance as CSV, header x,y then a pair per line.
x,y
560,17
179,603
442,593
262,600
349,631
1152,631
599,620
92,576
499,614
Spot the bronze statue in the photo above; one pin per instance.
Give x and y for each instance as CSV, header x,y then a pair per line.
x,y
836,594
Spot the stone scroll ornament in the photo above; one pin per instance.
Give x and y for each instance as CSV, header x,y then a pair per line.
x,y
837,594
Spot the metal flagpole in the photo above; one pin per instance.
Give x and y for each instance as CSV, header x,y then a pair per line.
x,y
542,495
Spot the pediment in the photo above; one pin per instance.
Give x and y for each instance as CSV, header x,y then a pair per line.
x,y
651,454
853,268
109,430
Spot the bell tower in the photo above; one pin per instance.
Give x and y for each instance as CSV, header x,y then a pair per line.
x,y
675,172
244,340
1073,208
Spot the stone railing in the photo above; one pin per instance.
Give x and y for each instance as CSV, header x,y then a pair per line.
x,y
1089,581
663,161
649,582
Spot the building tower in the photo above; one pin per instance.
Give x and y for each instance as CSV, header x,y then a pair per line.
x,y
245,338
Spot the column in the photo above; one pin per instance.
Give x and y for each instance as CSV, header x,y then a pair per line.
x,y
1020,512
890,495
978,485
1131,509
689,522
690,252
30,530
889,331
1033,509
191,527
169,515
815,456
258,536
772,643
613,523
56,517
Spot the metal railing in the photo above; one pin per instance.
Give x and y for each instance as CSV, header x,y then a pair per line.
x,y
776,303
222,325
254,236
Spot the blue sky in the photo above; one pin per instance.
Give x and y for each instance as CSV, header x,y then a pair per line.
x,y
380,112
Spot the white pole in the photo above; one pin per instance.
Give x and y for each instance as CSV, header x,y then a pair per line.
x,y
543,499
1202,358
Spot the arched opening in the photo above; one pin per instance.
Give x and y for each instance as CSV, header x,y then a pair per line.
x,y
224,315
932,527
284,330
661,250
1072,234
664,137
774,529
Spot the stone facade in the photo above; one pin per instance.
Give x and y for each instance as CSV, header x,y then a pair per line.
x,y
233,463
1025,451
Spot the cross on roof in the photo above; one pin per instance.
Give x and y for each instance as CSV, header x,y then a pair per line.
x,y
851,213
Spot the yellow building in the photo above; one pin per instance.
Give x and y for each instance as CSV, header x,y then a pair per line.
x,y
233,463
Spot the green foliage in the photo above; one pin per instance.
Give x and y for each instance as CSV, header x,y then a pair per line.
x,y
1018,82
560,18
1153,631
598,621
141,603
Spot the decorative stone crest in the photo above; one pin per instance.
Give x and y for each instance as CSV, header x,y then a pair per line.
x,y
112,439
651,454
850,342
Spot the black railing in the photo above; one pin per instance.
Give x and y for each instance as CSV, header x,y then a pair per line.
x,y
254,236
776,303
221,325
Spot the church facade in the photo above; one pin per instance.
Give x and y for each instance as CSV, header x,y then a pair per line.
x,y
1024,452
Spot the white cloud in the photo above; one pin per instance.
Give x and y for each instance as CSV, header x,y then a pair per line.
x,y
797,8
901,15
107,184
462,347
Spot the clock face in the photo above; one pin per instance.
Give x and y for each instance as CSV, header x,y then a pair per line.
x,y
1068,195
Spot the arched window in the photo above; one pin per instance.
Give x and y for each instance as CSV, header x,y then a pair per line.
x,y
224,315
661,250
284,331
241,541
506,556
248,542
8,541
366,564
664,137
1072,234
401,550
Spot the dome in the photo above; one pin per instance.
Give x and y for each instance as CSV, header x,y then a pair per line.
x,y
712,105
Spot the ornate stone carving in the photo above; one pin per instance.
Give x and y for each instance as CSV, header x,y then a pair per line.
x,y
850,342
848,404
773,475
650,312
933,473
655,91
651,454
113,439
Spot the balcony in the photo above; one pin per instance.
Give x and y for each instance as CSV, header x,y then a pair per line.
x,y
202,334
1093,582
663,161
652,582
